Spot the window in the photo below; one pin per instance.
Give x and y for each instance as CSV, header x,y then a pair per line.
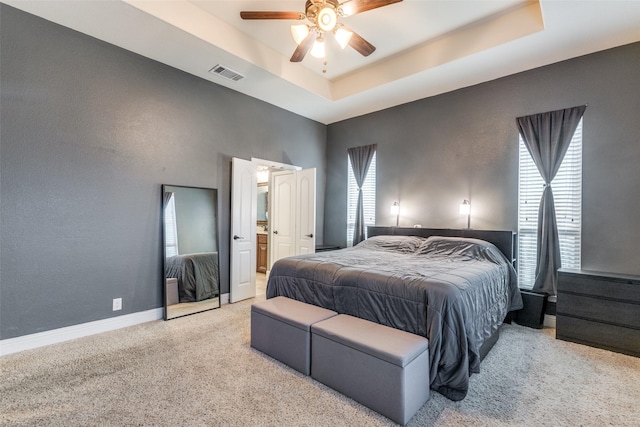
x,y
171,229
368,198
567,194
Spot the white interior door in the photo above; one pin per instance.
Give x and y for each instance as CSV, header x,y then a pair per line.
x,y
305,237
283,213
244,188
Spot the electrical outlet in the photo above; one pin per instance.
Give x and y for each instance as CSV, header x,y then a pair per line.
x,y
117,304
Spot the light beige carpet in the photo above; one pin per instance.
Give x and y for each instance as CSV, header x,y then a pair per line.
x,y
200,371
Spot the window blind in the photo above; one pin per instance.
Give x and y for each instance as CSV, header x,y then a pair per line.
x,y
567,194
170,228
368,198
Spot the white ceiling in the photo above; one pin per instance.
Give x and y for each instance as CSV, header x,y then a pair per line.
x,y
424,47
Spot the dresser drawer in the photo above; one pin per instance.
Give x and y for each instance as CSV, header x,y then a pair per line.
x,y
589,284
262,238
604,310
597,334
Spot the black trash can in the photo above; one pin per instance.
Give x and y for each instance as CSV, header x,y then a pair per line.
x,y
532,314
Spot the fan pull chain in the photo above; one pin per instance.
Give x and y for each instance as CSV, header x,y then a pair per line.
x,y
324,66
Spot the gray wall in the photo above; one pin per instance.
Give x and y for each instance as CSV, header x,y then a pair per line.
x,y
435,152
89,132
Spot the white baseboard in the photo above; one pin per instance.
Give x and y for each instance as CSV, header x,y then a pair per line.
x,y
224,299
40,339
549,321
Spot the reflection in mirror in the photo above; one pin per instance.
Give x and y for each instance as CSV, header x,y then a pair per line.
x,y
263,202
190,238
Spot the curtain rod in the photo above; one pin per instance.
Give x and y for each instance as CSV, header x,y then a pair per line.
x,y
544,112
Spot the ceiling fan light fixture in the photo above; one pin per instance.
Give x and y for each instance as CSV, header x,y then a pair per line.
x,y
317,51
347,8
299,32
327,18
322,17
343,36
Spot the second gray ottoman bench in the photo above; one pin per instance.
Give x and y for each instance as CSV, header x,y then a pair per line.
x,y
383,368
281,328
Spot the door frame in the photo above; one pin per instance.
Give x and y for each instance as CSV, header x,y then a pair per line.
x,y
233,274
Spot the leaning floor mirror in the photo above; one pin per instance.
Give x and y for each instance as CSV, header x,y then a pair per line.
x,y
190,237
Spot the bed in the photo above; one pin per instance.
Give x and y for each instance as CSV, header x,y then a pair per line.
x,y
197,275
454,287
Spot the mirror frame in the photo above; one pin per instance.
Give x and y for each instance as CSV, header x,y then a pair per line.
x,y
164,250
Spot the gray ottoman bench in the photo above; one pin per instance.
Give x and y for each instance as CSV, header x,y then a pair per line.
x,y
383,368
280,327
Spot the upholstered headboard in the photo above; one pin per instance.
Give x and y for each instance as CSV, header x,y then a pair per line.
x,y
506,241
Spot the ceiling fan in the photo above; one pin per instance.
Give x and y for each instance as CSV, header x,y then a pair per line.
x,y
322,17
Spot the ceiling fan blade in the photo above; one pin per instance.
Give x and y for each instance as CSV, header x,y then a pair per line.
x,y
351,7
272,15
360,44
303,47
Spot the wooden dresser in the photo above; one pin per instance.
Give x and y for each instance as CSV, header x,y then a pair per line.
x,y
599,309
261,253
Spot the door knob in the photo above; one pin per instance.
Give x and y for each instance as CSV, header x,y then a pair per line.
x,y
236,237
310,235
275,232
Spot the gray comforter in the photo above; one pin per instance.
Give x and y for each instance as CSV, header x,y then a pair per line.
x,y
454,291
197,275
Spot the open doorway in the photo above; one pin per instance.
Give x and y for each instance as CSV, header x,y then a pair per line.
x,y
273,215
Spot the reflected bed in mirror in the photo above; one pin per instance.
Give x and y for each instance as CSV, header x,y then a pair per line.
x,y
190,239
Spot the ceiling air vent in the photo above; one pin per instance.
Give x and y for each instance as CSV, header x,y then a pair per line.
x,y
226,73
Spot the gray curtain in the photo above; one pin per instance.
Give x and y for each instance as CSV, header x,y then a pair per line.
x,y
547,137
360,158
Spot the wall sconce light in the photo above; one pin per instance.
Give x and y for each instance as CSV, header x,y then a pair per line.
x,y
395,210
465,209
